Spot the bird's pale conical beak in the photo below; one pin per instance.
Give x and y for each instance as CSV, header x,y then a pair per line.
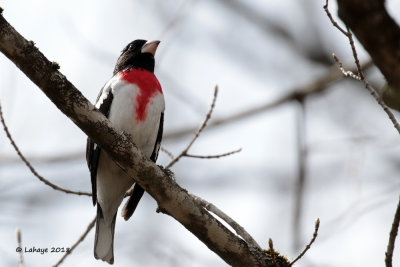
x,y
150,47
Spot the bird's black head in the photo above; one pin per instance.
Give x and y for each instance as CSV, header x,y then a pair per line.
x,y
137,54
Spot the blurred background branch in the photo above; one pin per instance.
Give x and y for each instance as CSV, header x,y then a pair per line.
x,y
332,76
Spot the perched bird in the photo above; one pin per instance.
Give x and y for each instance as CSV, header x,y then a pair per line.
x,y
133,101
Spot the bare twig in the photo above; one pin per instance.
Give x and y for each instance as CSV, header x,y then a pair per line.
x,y
19,249
318,85
347,73
328,13
203,125
355,56
361,76
392,236
185,153
271,248
169,154
214,156
81,238
309,244
34,172
237,227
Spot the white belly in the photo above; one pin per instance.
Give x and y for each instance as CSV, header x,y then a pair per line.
x,y
112,182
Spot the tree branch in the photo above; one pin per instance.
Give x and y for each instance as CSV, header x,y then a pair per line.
x,y
198,132
309,244
217,156
171,198
392,237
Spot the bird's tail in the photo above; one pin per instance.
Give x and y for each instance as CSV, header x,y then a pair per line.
x,y
104,237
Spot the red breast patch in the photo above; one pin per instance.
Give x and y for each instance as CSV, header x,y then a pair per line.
x,y
148,86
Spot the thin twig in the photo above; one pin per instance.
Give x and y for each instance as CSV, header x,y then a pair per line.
x,y
361,75
392,236
347,73
81,238
34,172
354,51
203,125
169,154
214,156
237,227
332,19
309,244
21,256
271,248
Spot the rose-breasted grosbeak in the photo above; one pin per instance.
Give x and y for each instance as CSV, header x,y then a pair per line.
x,y
133,101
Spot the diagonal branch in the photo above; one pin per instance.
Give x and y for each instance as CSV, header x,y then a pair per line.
x,y
198,132
185,152
392,237
214,156
171,198
309,244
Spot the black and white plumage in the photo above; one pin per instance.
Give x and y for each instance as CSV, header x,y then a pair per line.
x,y
133,101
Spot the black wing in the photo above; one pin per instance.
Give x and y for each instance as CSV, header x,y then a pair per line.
x,y
93,150
157,145
138,191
